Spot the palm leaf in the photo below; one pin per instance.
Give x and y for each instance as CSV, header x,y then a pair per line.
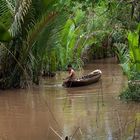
x,y
4,34
21,9
5,13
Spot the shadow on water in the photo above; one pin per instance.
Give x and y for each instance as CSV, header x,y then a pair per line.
x,y
52,112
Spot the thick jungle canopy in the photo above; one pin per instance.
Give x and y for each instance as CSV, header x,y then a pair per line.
x,y
47,35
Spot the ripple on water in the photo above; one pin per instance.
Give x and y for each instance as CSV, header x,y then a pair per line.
x,y
92,112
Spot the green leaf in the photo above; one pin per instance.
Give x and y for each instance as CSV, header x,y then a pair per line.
x,y
4,34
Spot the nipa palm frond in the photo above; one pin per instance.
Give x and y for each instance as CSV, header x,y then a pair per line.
x,y
21,9
42,39
5,13
11,5
39,26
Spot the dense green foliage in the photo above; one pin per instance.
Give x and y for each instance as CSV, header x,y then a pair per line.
x,y
47,35
133,66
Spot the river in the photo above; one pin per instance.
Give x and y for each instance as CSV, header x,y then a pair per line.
x,y
50,111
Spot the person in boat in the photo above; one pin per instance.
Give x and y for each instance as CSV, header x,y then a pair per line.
x,y
71,72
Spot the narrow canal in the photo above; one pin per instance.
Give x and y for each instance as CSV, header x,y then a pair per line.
x,y
92,112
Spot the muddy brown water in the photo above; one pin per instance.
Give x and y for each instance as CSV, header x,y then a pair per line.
x,y
92,112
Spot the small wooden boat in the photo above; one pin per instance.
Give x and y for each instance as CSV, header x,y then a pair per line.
x,y
90,78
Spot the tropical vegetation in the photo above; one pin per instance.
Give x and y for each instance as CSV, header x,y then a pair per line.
x,y
39,36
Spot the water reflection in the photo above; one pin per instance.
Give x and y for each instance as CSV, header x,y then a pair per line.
x,y
92,112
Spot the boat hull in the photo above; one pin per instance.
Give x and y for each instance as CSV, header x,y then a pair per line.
x,y
91,78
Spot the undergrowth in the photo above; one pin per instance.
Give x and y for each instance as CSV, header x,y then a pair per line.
x,y
132,92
